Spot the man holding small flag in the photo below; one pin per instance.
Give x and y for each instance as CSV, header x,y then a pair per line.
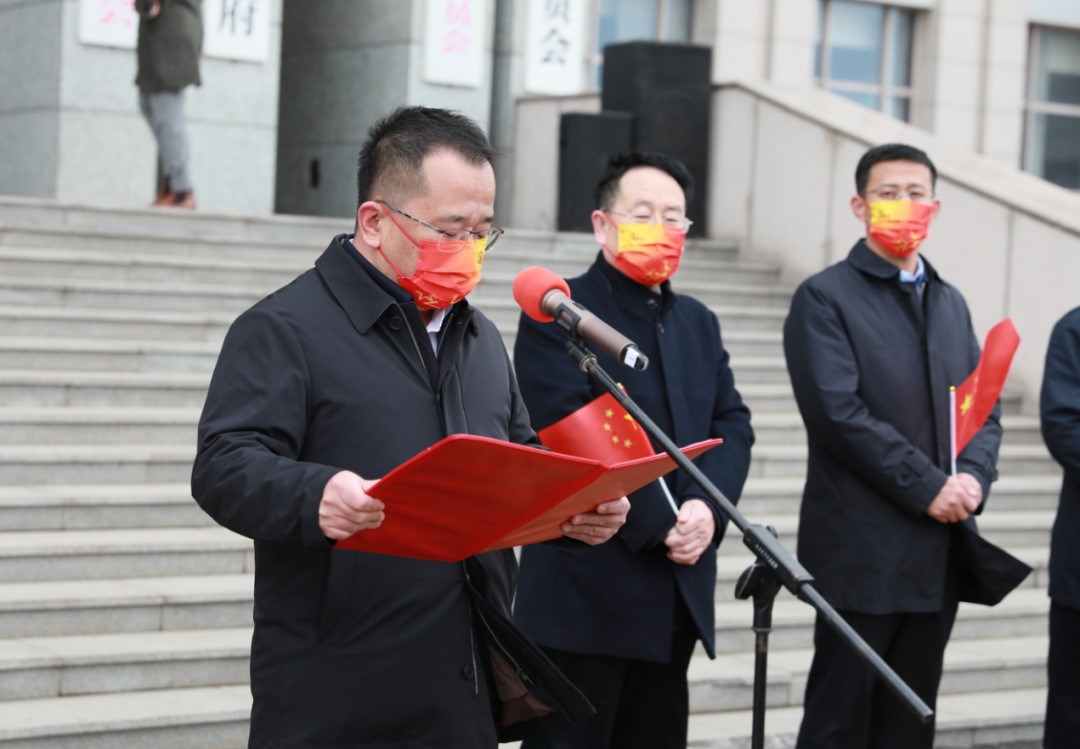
x,y
873,345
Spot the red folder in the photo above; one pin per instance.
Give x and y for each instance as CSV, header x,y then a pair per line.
x,y
467,494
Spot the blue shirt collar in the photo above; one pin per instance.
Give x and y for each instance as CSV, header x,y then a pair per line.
x,y
918,276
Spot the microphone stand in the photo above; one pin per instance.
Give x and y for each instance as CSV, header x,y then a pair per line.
x,y
774,566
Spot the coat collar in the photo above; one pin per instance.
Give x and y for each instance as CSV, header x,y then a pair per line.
x,y
615,282
867,261
363,298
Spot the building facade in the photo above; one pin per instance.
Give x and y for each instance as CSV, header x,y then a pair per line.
x,y
291,86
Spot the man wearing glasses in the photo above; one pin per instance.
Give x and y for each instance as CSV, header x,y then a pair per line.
x,y
622,619
332,381
873,344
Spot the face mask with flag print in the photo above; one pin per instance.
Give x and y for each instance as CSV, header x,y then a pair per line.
x,y
445,274
649,253
900,226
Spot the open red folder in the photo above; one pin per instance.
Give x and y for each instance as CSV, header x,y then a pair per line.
x,y
467,494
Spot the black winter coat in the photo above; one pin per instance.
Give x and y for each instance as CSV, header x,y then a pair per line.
x,y
871,365
169,46
351,649
620,598
1060,411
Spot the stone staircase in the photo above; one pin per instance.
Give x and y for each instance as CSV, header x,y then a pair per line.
x,y
125,613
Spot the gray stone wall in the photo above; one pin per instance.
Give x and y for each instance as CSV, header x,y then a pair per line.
x,y
29,96
343,65
70,127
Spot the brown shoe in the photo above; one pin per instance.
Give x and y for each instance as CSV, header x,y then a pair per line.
x,y
184,199
164,195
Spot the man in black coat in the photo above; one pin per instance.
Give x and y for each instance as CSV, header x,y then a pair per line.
x,y
1060,411
353,368
873,345
621,620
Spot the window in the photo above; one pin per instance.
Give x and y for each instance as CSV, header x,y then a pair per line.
x,y
639,20
1053,107
863,51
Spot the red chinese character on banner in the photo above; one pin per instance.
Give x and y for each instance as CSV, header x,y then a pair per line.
x,y
458,12
455,42
116,12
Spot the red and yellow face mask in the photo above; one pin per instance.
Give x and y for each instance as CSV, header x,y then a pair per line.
x,y
649,253
900,226
445,273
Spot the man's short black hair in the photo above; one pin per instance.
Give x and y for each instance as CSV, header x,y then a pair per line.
x,y
608,186
891,152
391,159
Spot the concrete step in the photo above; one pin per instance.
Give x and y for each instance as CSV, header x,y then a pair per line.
x,y
989,665
48,667
108,293
113,354
39,224
99,554
95,464
35,388
1023,613
180,389
54,425
221,295
1007,719
74,220
99,506
47,262
751,351
158,266
134,604
102,322
196,718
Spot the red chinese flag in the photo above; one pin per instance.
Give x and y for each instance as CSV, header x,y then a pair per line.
x,y
975,399
601,430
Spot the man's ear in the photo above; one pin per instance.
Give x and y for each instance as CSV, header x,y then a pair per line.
x,y
369,218
860,208
600,222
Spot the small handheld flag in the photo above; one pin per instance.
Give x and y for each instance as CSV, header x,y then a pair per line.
x,y
604,431
970,404
601,430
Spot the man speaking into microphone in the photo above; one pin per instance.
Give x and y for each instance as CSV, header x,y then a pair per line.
x,y
621,619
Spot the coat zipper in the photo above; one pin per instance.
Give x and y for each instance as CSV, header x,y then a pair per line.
x,y
472,637
416,344
522,674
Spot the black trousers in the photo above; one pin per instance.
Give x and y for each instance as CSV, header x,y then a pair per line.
x,y
1062,729
848,707
639,704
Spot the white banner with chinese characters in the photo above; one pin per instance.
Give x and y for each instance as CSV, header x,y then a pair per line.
x,y
232,29
454,37
555,47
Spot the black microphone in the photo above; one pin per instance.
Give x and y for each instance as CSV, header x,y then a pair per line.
x,y
545,297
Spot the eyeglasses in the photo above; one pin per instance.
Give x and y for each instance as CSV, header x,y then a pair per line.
x,y
451,240
672,222
914,194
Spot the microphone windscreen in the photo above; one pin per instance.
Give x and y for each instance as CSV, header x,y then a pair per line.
x,y
530,287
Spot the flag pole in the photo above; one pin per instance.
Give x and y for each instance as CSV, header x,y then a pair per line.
x,y
952,427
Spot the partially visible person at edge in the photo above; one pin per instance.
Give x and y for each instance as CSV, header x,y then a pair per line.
x,y
169,44
873,344
622,619
1060,412
332,381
